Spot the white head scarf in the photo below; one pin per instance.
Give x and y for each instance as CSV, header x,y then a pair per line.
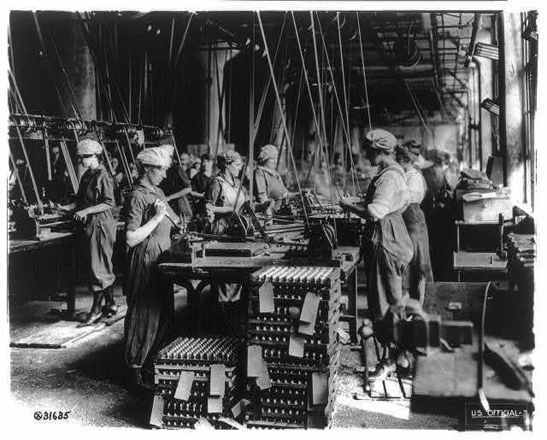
x,y
267,152
156,156
89,146
381,140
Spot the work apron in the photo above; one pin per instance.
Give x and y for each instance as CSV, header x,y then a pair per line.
x,y
149,295
388,250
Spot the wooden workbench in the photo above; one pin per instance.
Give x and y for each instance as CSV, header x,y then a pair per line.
x,y
17,245
239,269
446,383
36,265
483,262
45,267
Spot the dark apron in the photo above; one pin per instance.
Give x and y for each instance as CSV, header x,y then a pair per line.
x,y
149,315
388,250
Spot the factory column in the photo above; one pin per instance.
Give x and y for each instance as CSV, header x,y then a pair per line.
x,y
511,90
213,61
78,63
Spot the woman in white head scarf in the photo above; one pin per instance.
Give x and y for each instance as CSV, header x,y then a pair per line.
x,y
94,203
269,187
148,235
387,245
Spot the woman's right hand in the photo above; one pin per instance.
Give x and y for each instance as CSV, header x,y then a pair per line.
x,y
161,209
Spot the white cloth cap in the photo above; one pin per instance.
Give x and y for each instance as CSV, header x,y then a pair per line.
x,y
156,156
381,139
268,152
89,146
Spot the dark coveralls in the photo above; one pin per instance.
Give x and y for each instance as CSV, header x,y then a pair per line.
x,y
99,230
439,221
387,246
419,270
149,296
223,192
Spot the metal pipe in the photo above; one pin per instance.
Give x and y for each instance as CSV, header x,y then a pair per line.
x,y
308,87
18,178
32,179
284,122
474,31
252,127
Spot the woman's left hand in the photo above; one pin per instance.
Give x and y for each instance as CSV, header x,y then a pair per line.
x,y
80,215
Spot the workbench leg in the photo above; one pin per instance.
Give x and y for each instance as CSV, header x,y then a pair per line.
x,y
352,306
70,312
366,385
193,296
71,302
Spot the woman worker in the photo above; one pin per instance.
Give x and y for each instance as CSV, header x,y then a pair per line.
x,y
148,228
94,203
419,270
224,196
387,245
225,193
269,187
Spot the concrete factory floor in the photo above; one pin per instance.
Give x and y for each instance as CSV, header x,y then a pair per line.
x,y
89,379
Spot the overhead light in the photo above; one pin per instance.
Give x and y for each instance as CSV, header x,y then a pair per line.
x,y
490,105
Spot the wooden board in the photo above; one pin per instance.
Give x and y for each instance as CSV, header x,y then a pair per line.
x,y
454,375
223,249
248,264
54,239
479,261
439,296
60,334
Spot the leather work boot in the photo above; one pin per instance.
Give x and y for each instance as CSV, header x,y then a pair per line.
x,y
110,308
95,313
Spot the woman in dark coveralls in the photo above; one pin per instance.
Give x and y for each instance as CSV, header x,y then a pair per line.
x,y
269,187
419,270
149,296
93,206
224,196
387,245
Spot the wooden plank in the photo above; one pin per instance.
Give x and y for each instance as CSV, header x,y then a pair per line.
x,y
479,261
454,375
440,297
54,239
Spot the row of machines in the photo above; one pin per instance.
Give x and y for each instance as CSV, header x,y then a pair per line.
x,y
44,170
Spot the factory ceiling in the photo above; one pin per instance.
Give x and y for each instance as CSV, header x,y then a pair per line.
x,y
419,55
415,63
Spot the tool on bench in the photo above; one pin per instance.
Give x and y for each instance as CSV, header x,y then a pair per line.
x,y
507,369
37,222
247,209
